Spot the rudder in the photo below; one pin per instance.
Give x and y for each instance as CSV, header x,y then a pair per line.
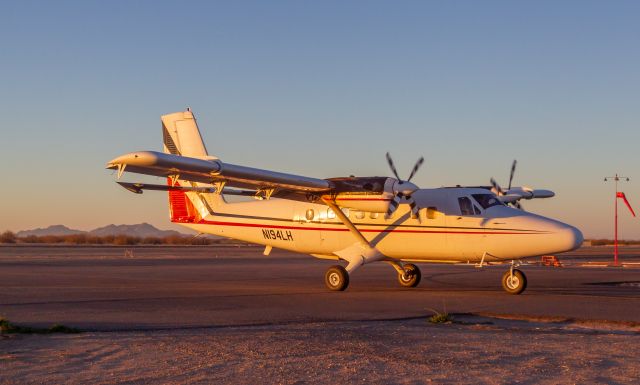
x,y
181,135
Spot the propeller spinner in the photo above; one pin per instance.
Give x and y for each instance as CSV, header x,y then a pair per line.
x,y
403,189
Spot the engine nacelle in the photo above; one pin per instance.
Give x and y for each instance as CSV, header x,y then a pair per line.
x,y
371,194
529,193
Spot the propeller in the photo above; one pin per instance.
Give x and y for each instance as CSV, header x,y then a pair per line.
x,y
403,189
501,193
513,170
513,195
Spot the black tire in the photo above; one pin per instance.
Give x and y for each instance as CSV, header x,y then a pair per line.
x,y
411,276
515,285
336,278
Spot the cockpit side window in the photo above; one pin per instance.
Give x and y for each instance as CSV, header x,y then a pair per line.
x,y
466,207
486,200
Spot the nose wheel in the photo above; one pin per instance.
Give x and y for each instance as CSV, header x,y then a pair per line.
x,y
410,277
514,281
336,278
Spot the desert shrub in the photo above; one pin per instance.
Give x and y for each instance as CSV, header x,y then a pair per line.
x,y
605,242
9,327
441,318
30,239
76,239
125,240
8,237
152,241
120,240
174,240
200,241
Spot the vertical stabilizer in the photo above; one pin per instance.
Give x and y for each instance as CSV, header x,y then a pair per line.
x,y
181,135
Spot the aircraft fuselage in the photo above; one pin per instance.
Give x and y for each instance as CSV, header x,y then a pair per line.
x,y
444,230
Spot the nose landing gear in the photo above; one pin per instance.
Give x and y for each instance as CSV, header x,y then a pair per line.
x,y
514,281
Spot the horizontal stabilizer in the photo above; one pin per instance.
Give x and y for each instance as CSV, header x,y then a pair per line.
x,y
138,188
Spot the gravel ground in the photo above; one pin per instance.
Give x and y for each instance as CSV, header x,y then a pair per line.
x,y
476,351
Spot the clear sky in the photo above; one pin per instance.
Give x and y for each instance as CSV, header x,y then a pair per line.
x,y
322,89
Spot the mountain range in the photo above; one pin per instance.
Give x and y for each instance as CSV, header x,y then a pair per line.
x,y
140,230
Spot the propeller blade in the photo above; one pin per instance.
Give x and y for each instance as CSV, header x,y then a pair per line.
x,y
497,187
392,166
513,170
393,205
403,189
415,168
414,207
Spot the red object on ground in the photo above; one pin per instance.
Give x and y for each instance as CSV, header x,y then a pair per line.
x,y
551,260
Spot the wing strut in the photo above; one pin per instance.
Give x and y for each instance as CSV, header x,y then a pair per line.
x,y
345,220
359,253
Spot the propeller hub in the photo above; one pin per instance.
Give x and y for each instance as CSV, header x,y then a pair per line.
x,y
404,187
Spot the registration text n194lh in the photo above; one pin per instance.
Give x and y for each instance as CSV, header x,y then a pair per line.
x,y
357,220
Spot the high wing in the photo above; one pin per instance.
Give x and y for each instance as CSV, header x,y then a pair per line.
x,y
188,166
212,170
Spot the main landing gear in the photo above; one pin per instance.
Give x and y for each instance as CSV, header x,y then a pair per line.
x,y
410,275
514,281
337,277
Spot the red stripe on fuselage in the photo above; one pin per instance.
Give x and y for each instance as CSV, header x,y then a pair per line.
x,y
364,199
238,224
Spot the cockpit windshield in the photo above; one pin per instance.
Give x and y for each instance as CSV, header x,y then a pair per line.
x,y
487,200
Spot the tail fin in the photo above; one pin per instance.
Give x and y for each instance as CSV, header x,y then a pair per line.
x,y
181,135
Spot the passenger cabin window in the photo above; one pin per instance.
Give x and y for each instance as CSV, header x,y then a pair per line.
x,y
487,200
373,215
359,214
330,214
466,207
309,214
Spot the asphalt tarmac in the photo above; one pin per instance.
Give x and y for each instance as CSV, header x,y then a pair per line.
x,y
150,288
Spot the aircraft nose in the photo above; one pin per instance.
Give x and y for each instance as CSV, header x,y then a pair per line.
x,y
571,238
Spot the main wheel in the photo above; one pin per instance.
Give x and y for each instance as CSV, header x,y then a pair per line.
x,y
514,284
411,276
336,278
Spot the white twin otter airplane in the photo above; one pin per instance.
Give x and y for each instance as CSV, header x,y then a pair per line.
x,y
358,220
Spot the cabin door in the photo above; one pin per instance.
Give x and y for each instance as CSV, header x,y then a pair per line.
x,y
467,236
